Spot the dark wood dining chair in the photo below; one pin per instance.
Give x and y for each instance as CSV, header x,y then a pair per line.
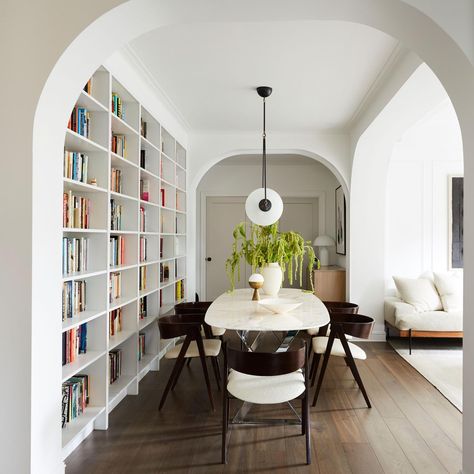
x,y
356,325
266,378
199,307
189,326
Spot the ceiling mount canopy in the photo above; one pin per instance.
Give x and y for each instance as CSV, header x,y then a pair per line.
x,y
264,206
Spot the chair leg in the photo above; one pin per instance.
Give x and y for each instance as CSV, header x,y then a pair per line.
x,y
181,365
327,354
317,358
180,358
307,428
313,363
215,368
303,416
225,424
354,370
409,341
202,356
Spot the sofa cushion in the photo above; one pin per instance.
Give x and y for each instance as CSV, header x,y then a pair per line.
x,y
430,321
450,289
419,292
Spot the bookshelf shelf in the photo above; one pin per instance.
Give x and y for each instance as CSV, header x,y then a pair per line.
x,y
154,163
81,318
82,361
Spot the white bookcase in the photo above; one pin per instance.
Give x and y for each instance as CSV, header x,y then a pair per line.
x,y
164,172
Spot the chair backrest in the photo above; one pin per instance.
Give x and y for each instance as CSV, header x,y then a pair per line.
x,y
341,307
197,307
356,325
176,325
265,363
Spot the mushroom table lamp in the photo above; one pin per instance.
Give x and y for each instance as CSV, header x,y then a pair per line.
x,y
256,282
323,242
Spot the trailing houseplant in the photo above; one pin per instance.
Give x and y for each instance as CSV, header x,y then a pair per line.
x,y
262,245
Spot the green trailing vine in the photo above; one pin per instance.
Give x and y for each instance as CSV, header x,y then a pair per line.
x,y
260,245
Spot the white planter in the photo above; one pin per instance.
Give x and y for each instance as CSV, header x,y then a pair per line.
x,y
272,278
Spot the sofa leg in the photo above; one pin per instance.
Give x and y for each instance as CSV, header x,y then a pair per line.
x,y
409,341
387,332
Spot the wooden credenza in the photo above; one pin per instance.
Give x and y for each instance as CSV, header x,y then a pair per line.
x,y
330,283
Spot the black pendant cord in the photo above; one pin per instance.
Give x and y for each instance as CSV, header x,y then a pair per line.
x,y
264,155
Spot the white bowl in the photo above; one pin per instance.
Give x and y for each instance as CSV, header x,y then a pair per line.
x,y
280,305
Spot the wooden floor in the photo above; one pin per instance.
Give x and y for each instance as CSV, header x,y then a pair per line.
x,y
410,428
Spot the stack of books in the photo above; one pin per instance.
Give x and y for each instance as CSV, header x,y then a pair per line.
x,y
75,211
115,215
142,278
141,345
79,121
115,321
115,364
142,310
119,145
143,249
117,250
75,166
115,286
75,255
75,397
116,180
117,106
74,343
74,298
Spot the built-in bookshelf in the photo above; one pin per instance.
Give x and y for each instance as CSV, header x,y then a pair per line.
x,y
124,250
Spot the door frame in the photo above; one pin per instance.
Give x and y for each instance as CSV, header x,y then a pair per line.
x,y
201,248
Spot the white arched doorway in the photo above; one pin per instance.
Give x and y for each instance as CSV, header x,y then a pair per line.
x,y
30,445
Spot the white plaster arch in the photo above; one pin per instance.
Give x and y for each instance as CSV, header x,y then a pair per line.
x,y
76,62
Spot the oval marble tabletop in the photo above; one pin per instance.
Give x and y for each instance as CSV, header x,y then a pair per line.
x,y
236,310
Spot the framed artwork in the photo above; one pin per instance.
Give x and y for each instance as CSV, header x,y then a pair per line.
x,y
340,221
456,222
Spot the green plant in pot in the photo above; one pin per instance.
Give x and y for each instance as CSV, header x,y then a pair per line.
x,y
272,252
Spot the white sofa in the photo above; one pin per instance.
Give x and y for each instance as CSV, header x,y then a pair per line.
x,y
430,306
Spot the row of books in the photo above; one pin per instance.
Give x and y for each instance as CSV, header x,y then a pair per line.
x,y
75,254
143,249
142,278
115,215
115,365
115,321
117,106
79,121
76,211
143,307
164,273
144,190
116,180
74,343
117,250
179,290
141,345
119,145
143,127
74,298
75,166
142,219
115,286
75,398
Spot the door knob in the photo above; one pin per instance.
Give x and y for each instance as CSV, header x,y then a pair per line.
x,y
208,259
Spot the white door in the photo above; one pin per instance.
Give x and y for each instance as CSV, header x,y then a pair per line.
x,y
224,213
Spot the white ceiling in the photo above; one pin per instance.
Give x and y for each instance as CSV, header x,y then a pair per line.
x,y
272,160
320,72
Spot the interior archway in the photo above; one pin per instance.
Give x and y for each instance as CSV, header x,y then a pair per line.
x,y
73,68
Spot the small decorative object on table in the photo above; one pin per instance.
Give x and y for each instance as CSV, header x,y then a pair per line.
x,y
93,182
256,282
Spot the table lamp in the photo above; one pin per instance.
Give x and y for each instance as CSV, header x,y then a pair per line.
x,y
323,242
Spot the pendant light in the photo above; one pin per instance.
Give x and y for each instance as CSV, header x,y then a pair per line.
x,y
264,205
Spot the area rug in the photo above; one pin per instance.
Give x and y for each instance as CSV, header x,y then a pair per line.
x,y
440,362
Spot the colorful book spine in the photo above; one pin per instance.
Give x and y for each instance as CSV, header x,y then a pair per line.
x,y
163,197
75,255
141,345
115,321
75,398
73,298
142,278
115,286
119,145
143,307
116,180
142,219
74,343
115,215
144,190
143,249
75,166
118,107
117,250
143,159
79,121
143,127
115,365
76,211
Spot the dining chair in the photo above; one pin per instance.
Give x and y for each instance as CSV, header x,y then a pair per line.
x,y
189,326
199,307
266,378
336,344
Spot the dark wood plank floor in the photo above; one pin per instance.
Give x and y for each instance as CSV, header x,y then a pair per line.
x,y
410,428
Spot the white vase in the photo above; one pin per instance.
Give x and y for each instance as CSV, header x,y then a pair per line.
x,y
272,278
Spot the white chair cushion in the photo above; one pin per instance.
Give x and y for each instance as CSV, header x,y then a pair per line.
x,y
266,390
419,292
212,348
449,286
217,331
320,344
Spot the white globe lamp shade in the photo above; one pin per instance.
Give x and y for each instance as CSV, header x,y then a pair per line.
x,y
259,216
323,242
256,278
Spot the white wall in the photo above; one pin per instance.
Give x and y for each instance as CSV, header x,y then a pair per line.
x,y
417,195
305,178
